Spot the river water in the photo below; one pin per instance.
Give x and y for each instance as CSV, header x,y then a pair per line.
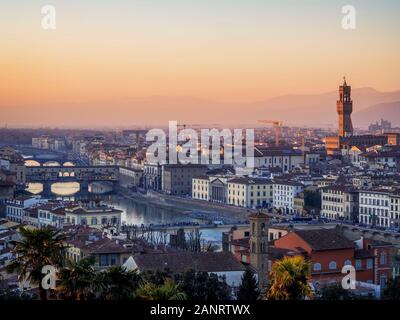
x,y
133,211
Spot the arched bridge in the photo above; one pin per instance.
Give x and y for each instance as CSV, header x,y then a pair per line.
x,y
82,174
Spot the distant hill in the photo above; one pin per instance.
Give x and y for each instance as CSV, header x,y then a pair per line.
x,y
306,110
320,109
388,111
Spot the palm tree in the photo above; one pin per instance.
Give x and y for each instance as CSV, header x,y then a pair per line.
x,y
76,281
289,279
116,283
36,249
168,291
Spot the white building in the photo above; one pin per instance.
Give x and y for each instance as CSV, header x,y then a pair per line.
x,y
200,188
93,215
284,193
250,192
284,158
375,208
211,188
15,207
339,202
395,208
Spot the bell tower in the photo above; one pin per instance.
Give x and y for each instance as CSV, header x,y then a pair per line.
x,y
344,109
259,246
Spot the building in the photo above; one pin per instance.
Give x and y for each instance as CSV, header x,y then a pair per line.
x,y
130,177
93,215
344,109
283,158
339,202
177,178
329,251
250,192
259,247
152,176
395,208
380,159
222,264
211,188
201,187
284,194
383,126
49,143
106,252
299,203
375,208
15,207
345,138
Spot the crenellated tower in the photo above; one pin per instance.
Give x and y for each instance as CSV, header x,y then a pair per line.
x,y
344,110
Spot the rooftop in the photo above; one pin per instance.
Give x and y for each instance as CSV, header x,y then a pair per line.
x,y
198,261
325,239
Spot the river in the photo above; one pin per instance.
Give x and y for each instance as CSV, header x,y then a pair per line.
x,y
134,211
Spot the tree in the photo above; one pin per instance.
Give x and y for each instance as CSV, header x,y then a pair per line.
x,y
392,290
334,292
76,281
248,290
289,279
36,249
203,286
116,283
168,291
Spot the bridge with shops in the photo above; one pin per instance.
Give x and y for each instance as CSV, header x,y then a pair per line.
x,y
84,175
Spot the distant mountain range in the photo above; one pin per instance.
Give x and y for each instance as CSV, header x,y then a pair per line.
x,y
321,109
388,111
305,110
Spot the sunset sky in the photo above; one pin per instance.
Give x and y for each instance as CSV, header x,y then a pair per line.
x,y
104,53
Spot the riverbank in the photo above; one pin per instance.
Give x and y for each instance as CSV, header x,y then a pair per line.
x,y
211,210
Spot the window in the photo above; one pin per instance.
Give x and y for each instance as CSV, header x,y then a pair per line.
x,y
347,263
332,265
113,259
317,267
383,281
383,258
369,264
94,221
358,264
103,260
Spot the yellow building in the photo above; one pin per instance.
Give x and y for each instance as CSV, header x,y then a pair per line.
x,y
250,192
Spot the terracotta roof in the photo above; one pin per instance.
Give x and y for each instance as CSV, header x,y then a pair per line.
x,y
249,181
105,245
325,239
198,261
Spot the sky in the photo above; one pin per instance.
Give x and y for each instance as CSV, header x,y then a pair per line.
x,y
229,51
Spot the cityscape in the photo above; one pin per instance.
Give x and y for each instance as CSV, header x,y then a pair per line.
x,y
293,198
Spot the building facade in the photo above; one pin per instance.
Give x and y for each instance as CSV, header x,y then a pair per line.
x,y
250,192
177,178
375,208
339,202
284,194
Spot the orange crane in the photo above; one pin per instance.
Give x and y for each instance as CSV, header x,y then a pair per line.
x,y
277,125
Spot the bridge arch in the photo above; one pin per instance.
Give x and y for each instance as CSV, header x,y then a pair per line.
x,y
51,163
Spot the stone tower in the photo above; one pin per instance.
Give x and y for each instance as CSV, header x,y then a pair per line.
x,y
344,110
259,246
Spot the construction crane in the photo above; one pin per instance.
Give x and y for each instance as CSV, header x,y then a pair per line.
x,y
277,125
